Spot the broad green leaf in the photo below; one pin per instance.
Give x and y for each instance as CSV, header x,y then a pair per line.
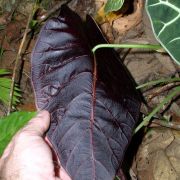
x,y
113,5
165,20
9,125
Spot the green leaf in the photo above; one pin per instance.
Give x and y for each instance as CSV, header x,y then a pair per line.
x,y
2,27
113,5
4,72
33,23
9,125
5,84
165,20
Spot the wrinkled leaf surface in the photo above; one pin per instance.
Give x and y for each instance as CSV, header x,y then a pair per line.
x,y
93,103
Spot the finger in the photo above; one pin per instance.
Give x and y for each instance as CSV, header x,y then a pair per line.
x,y
39,124
63,174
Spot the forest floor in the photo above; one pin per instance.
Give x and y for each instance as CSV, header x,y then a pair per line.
x,y
154,153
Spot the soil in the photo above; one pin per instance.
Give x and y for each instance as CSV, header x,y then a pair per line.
x,y
154,154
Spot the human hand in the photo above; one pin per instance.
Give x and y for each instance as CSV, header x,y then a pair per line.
x,y
28,156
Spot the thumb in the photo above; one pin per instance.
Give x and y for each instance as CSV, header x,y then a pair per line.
x,y
38,125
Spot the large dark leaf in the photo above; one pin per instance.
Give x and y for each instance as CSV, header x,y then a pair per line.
x,y
93,103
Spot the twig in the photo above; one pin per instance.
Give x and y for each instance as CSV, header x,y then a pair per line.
x,y
169,103
125,54
172,125
18,57
155,92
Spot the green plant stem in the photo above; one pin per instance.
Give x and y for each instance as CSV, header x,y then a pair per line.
x,y
151,83
138,46
155,110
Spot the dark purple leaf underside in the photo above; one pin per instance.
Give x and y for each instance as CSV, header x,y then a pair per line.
x,y
93,103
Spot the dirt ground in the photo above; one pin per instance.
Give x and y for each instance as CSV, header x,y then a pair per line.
x,y
153,154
